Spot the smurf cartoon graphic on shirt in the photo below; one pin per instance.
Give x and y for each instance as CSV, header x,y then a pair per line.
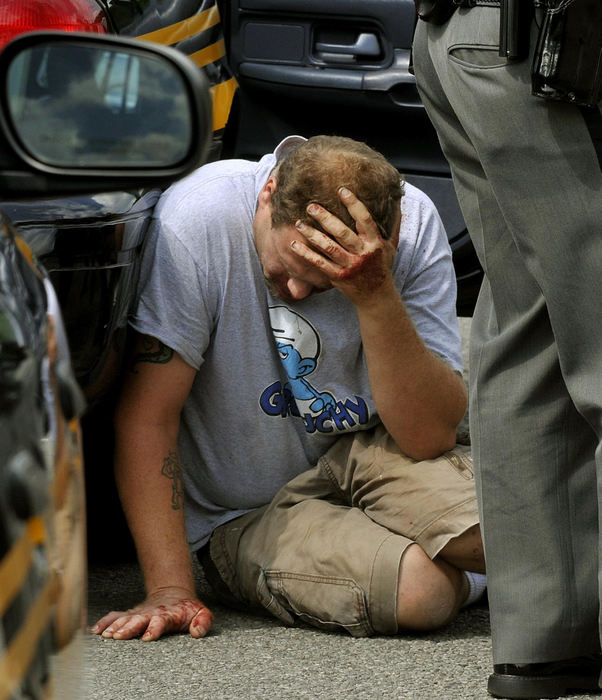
x,y
299,349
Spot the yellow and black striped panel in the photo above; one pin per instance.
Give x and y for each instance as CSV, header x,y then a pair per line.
x,y
42,580
19,651
206,27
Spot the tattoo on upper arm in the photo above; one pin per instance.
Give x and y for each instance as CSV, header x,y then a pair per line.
x,y
173,471
153,351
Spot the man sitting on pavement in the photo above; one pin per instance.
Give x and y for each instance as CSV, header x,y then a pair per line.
x,y
290,412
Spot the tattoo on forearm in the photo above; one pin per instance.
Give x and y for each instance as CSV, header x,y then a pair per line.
x,y
154,351
173,471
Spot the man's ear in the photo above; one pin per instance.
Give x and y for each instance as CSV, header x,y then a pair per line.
x,y
266,192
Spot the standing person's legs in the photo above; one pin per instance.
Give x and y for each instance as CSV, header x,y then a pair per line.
x,y
534,210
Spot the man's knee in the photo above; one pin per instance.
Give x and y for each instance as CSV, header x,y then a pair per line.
x,y
429,593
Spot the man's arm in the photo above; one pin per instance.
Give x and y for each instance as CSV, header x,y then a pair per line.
x,y
420,399
149,480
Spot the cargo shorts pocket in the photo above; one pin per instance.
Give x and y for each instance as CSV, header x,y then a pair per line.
x,y
328,603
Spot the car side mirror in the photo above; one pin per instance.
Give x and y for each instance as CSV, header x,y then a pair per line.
x,y
83,113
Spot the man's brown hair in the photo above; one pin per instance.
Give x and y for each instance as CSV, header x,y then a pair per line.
x,y
316,169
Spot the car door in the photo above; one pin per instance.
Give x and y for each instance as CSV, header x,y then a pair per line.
x,y
340,67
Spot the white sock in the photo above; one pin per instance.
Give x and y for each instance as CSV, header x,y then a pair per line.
x,y
477,584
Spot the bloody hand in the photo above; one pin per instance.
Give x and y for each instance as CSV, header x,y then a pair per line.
x,y
165,611
359,265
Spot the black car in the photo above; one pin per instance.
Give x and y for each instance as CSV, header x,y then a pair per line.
x,y
53,97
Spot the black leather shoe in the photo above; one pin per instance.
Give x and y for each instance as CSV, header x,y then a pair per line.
x,y
546,680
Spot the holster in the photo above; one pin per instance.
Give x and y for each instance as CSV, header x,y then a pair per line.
x,y
567,64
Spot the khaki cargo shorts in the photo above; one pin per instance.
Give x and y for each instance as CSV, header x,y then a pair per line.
x,y
327,549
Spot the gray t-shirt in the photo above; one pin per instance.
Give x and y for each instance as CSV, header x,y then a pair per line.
x,y
276,383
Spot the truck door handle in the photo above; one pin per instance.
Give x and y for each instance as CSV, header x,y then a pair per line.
x,y
365,45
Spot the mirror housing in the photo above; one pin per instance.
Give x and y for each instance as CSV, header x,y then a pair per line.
x,y
83,113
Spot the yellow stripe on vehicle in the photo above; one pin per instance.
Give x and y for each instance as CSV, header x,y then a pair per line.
x,y
14,569
36,529
209,54
222,96
184,29
17,657
26,251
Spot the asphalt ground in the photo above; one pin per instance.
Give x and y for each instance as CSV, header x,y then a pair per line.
x,y
251,656
256,657
248,656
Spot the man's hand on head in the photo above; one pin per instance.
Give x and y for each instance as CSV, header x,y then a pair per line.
x,y
165,611
358,264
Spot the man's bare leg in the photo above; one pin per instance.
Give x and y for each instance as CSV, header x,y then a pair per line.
x,y
431,592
